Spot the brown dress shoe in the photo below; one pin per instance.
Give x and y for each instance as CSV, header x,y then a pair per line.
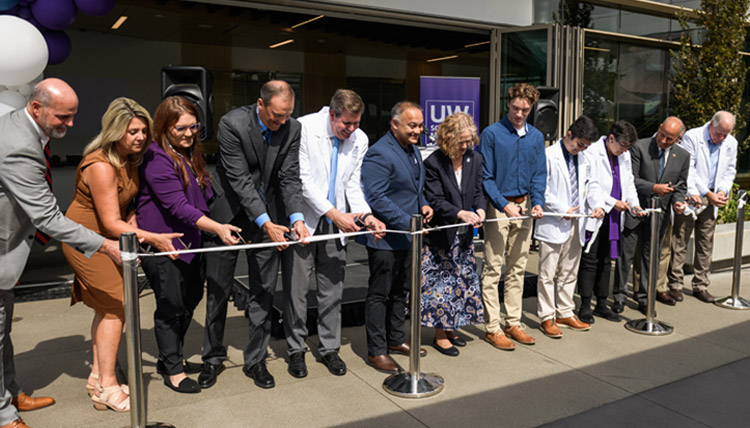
x,y
499,341
676,294
404,349
574,323
516,333
550,329
703,296
24,403
665,298
383,363
18,423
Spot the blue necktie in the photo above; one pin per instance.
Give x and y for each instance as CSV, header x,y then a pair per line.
x,y
334,167
267,136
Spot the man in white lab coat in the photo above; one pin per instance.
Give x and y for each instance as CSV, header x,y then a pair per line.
x,y
330,159
713,166
561,238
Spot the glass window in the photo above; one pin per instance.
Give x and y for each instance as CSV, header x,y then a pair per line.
x,y
641,93
604,19
523,59
639,24
599,78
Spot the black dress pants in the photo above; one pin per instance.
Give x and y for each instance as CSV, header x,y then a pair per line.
x,y
178,287
595,268
385,306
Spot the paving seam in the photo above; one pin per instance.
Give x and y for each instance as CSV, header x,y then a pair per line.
x,y
390,397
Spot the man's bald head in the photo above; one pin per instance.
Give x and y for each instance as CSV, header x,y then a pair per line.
x,y
53,104
720,126
670,131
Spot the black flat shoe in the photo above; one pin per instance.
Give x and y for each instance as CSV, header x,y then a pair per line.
x,y
586,316
208,375
186,386
451,352
618,307
457,341
607,314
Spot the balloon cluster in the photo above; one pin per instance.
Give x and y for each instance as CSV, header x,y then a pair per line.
x,y
32,36
50,18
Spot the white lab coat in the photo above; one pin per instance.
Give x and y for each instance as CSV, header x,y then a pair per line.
x,y
598,159
558,198
316,143
696,143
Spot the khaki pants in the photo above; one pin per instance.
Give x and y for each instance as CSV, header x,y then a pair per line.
x,y
499,237
558,275
704,228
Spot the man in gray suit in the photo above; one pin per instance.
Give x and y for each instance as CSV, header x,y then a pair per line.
x,y
27,206
257,188
660,168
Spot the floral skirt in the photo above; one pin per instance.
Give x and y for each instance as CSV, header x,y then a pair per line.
x,y
451,296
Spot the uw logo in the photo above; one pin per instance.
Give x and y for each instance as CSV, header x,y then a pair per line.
x,y
439,111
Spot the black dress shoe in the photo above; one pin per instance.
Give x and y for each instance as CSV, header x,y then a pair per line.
x,y
586,316
208,375
676,294
703,296
186,386
451,352
607,314
297,366
335,364
664,297
643,308
457,341
618,307
259,373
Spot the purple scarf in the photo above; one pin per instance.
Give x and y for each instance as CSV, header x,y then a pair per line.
x,y
613,217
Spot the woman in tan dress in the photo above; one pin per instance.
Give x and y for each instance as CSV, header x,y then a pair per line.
x,y
106,184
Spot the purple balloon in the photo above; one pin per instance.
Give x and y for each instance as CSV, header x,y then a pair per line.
x,y
58,45
95,7
55,14
36,23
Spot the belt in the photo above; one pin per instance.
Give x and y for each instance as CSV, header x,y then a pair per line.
x,y
517,199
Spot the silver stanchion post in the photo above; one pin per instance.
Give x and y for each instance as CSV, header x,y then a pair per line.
x,y
129,255
414,384
735,301
650,326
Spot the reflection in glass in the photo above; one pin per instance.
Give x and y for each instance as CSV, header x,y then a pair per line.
x,y
600,75
523,60
642,87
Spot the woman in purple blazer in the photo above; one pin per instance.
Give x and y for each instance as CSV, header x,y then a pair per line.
x,y
174,194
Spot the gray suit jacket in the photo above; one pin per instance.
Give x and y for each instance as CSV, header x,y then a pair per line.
x,y
645,161
26,203
243,183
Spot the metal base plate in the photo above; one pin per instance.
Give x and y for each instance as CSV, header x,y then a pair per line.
x,y
156,425
405,385
731,303
653,328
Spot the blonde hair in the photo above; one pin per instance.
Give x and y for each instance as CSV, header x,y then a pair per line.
x,y
115,123
449,133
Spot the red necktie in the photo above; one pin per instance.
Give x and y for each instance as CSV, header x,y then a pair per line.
x,y
40,236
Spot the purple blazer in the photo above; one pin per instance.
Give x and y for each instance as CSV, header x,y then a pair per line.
x,y
164,205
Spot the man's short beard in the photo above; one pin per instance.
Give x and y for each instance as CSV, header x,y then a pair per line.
x,y
57,134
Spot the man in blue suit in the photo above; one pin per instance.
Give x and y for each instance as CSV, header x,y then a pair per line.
x,y
392,180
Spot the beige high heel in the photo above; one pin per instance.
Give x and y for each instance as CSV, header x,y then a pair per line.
x,y
112,397
91,389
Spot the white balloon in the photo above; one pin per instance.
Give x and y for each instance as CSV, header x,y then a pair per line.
x,y
23,51
36,80
24,89
13,99
4,108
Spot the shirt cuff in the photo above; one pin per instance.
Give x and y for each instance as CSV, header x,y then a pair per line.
x,y
295,217
262,219
722,190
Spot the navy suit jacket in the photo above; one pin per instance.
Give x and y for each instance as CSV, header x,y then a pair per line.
x,y
391,191
447,199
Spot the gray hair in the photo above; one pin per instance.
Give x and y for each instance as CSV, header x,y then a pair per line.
x,y
402,106
721,114
273,88
40,94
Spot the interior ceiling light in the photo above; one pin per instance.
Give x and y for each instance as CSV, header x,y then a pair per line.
x,y
285,42
119,22
307,22
443,58
471,45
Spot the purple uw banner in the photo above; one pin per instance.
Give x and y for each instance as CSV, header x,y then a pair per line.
x,y
442,96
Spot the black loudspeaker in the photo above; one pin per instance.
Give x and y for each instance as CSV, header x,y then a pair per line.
x,y
544,113
195,84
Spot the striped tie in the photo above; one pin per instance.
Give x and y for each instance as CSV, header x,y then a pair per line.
x,y
573,182
40,236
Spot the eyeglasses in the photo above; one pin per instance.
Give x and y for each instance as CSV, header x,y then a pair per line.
x,y
194,128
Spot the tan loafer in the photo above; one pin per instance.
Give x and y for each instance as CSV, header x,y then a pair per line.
x,y
25,403
516,333
550,329
499,341
574,323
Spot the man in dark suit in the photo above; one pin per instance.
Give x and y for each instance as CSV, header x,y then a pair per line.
x,y
27,206
392,179
257,188
660,168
